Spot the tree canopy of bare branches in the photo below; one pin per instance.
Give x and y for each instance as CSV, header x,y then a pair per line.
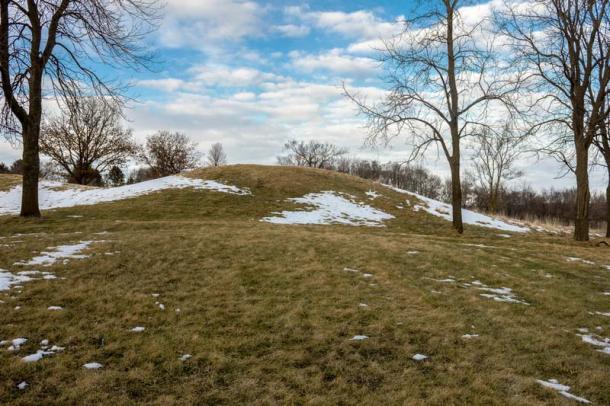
x,y
216,155
443,80
494,162
565,47
168,153
59,42
87,139
312,154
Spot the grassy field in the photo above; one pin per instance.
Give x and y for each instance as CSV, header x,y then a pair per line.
x,y
268,311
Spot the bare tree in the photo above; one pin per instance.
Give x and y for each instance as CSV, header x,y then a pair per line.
x,y
494,161
443,79
168,153
87,139
217,155
312,154
565,45
61,41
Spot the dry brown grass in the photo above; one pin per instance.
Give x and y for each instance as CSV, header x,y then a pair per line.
x,y
9,181
268,312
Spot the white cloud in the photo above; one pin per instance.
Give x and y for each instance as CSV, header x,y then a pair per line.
x,y
361,24
225,76
292,30
200,24
335,61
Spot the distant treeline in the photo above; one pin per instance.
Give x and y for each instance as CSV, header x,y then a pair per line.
x,y
518,202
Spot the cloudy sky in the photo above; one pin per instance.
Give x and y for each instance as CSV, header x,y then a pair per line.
x,y
253,74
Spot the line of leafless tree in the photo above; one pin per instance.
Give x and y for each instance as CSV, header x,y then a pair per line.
x,y
449,78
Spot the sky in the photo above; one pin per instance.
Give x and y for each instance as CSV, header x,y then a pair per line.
x,y
253,74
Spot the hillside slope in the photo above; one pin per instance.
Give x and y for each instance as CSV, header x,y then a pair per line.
x,y
185,296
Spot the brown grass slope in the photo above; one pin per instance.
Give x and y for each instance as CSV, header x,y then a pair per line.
x,y
267,311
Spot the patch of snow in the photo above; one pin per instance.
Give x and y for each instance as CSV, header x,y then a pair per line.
x,y
137,329
36,356
185,357
161,306
55,308
62,252
444,211
504,235
562,389
22,385
52,198
367,275
44,343
469,336
16,344
331,208
412,252
372,194
576,259
363,305
603,314
359,338
603,343
419,357
8,280
606,293
93,365
351,270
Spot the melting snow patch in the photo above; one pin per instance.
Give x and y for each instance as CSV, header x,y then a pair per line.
x,y
562,389
502,295
575,259
93,365
469,336
419,357
185,357
62,252
55,308
372,194
7,279
37,356
52,198
359,338
603,343
443,210
22,385
603,314
331,208
137,329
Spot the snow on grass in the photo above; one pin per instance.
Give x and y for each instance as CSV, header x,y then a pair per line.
x,y
22,386
444,211
8,280
137,329
603,343
359,338
331,208
469,336
185,357
564,390
93,365
37,356
55,195
55,308
372,194
584,261
15,344
607,314
62,252
419,357
502,295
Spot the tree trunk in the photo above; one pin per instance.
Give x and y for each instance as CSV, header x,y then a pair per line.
x,y
456,196
608,208
583,196
31,170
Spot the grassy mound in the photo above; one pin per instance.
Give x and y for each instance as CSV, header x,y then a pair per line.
x,y
268,312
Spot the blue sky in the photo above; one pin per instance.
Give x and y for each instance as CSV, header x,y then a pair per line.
x,y
253,74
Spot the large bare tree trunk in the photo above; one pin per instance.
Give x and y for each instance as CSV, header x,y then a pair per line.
x,y
456,195
608,207
31,170
583,195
